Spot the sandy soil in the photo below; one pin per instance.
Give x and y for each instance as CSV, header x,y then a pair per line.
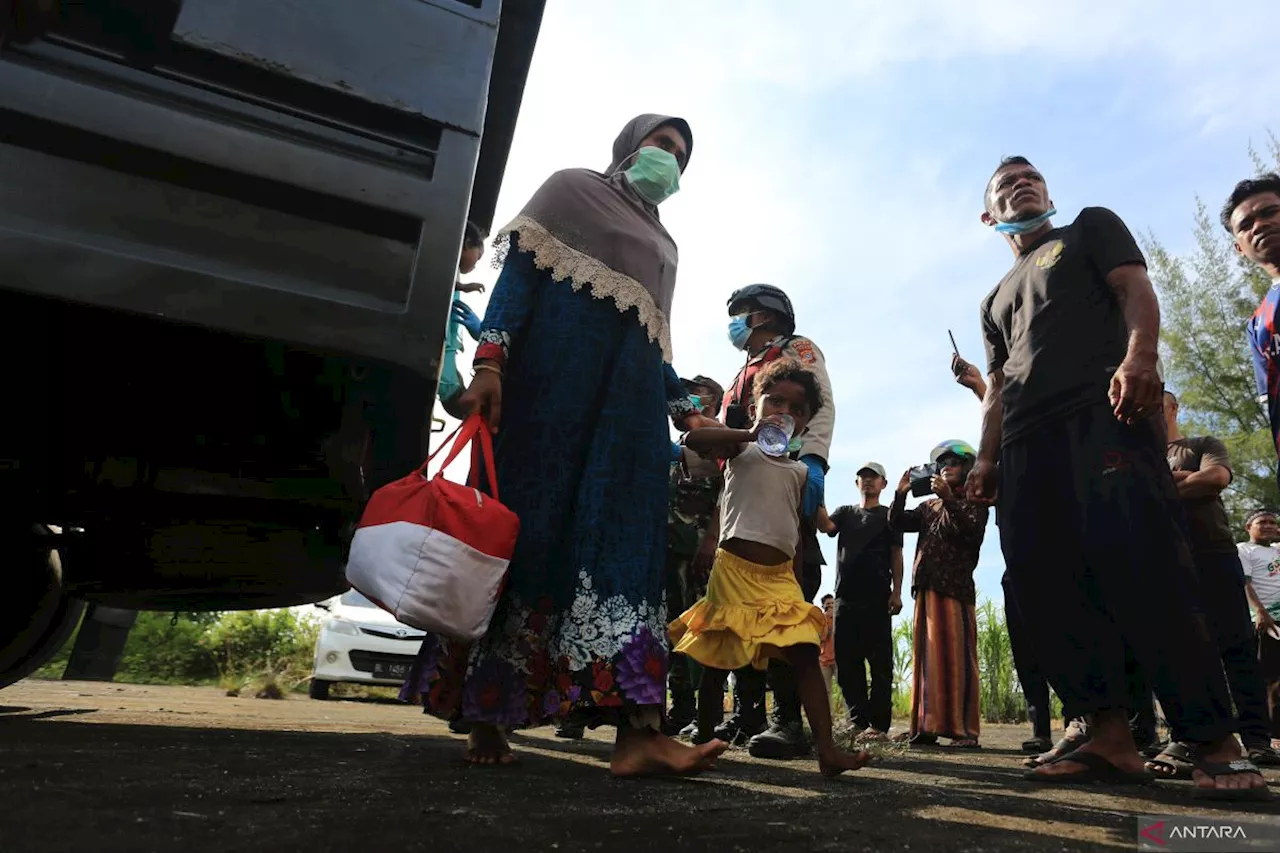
x,y
106,767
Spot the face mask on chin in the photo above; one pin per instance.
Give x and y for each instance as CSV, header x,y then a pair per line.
x,y
1026,225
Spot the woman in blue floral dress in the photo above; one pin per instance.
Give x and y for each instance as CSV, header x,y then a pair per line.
x,y
574,374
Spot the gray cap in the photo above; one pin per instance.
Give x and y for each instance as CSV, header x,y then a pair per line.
x,y
874,466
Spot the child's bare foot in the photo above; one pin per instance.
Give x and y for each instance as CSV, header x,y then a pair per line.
x,y
644,752
487,744
833,761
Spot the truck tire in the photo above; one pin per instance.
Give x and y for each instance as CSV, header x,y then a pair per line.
x,y
319,689
37,616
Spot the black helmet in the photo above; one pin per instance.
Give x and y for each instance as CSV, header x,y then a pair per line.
x,y
767,297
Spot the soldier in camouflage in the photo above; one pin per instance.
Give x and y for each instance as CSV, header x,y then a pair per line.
x,y
695,489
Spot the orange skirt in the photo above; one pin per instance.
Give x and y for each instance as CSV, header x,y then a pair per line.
x,y
944,679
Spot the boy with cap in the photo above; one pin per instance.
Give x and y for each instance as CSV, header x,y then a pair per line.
x,y
868,596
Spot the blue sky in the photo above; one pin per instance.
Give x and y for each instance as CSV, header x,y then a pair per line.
x,y
841,149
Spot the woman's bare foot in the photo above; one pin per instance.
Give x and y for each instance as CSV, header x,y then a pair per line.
x,y
487,744
833,761
645,752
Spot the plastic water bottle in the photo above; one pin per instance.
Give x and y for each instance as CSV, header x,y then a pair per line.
x,y
775,435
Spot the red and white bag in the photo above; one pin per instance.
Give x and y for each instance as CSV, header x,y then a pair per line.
x,y
435,553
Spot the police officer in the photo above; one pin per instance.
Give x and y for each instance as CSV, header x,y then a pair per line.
x,y
762,324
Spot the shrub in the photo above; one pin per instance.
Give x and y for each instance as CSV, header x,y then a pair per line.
x,y
230,649
262,645
166,648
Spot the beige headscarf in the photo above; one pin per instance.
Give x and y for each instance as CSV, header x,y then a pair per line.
x,y
593,229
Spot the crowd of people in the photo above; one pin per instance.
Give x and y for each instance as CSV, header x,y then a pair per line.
x,y
645,567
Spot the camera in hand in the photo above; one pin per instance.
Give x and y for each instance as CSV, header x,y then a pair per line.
x,y
920,476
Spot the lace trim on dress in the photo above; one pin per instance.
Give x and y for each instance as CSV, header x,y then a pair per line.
x,y
566,263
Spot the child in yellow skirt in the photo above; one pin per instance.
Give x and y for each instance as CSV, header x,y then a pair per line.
x,y
754,609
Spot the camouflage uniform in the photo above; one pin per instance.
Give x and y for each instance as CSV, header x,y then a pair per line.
x,y
695,488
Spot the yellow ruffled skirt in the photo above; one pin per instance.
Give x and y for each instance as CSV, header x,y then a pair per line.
x,y
749,614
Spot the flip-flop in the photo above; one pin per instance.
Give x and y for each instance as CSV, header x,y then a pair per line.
x,y
1178,757
1264,756
1153,749
1231,768
965,743
1068,743
1037,745
1096,769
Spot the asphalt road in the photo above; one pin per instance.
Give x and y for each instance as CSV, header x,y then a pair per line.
x,y
105,767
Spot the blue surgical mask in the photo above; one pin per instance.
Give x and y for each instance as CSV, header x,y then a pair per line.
x,y
655,175
696,400
1026,225
739,331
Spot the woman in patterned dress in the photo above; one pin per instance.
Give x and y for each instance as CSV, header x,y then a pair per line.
x,y
574,375
945,700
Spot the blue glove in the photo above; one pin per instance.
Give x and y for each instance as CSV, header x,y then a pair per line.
x,y
676,450
814,487
464,315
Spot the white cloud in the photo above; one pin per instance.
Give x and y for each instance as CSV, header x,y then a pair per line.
x,y
813,171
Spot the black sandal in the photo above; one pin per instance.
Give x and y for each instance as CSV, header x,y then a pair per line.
x,y
1068,743
1238,767
1178,757
1096,769
1264,756
1037,745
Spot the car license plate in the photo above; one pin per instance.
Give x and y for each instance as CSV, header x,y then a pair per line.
x,y
399,671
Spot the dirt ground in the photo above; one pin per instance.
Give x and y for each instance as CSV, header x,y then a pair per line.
x,y
106,767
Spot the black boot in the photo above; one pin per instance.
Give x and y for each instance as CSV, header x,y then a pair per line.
x,y
785,737
748,717
684,703
573,726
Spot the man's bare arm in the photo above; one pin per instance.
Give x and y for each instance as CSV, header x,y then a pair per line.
x,y
1208,482
992,418
1136,386
1254,601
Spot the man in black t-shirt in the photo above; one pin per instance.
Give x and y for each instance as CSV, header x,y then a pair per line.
x,y
868,596
1090,522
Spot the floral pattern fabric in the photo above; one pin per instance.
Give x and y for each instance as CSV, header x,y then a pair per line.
x,y
951,534
582,459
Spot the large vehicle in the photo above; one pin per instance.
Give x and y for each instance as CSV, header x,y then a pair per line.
x,y
229,231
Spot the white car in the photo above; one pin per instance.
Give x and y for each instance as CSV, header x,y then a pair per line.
x,y
362,643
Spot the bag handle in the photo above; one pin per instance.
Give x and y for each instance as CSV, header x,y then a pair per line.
x,y
465,434
490,470
443,444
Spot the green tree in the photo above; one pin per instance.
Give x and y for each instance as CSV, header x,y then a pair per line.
x,y
165,648
1206,298
250,642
